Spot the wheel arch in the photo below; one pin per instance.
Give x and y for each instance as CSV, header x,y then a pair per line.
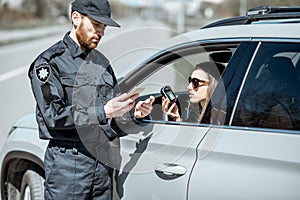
x,y
14,166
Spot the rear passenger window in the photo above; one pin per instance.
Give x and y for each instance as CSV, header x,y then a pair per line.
x,y
271,95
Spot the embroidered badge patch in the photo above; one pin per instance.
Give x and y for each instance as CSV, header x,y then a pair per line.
x,y
43,73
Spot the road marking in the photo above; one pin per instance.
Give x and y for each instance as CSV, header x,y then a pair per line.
x,y
13,73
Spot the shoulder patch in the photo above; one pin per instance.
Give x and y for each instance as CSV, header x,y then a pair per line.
x,y
43,72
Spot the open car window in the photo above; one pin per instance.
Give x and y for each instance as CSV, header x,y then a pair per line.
x,y
175,70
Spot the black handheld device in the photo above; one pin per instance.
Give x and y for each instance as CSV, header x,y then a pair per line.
x,y
167,92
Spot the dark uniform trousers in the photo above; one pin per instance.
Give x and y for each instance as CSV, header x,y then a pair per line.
x,y
73,173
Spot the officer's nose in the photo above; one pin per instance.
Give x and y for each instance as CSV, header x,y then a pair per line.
x,y
100,30
100,33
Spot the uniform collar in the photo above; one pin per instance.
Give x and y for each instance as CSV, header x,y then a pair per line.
x,y
73,47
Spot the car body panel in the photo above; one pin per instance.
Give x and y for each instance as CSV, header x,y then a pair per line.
x,y
248,164
169,145
23,143
24,138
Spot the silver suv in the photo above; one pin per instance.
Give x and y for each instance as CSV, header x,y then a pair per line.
x,y
248,150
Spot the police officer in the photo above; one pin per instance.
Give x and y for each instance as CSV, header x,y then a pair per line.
x,y
73,84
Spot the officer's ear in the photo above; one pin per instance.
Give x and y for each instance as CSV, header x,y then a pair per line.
x,y
76,18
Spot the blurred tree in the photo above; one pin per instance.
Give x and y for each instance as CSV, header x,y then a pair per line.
x,y
28,13
40,8
253,3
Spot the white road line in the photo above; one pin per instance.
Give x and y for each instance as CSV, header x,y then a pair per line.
x,y
13,73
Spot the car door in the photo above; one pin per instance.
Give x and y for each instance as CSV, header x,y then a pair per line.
x,y
157,161
256,155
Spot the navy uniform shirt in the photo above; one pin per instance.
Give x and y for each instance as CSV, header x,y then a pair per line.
x,y
71,89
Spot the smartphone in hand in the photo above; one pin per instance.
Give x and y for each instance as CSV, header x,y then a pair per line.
x,y
167,92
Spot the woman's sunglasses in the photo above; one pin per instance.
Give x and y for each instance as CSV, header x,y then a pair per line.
x,y
196,82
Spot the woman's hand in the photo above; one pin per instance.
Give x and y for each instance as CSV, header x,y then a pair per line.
x,y
171,111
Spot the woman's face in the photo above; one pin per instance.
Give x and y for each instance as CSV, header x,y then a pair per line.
x,y
199,93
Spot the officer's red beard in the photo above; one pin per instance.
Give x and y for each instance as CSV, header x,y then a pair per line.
x,y
86,43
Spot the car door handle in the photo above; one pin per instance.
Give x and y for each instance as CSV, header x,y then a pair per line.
x,y
169,171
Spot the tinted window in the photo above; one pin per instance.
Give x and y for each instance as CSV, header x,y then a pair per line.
x,y
271,94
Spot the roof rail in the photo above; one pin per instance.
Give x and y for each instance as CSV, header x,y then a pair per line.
x,y
263,10
258,14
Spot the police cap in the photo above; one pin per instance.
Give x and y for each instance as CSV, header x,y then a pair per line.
x,y
98,10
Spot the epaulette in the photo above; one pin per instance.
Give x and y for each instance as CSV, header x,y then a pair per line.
x,y
54,50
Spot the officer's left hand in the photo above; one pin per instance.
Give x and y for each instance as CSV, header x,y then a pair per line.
x,y
143,108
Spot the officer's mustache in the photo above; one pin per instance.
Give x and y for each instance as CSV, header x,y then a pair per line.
x,y
97,37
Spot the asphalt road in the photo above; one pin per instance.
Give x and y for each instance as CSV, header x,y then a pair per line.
x,y
16,99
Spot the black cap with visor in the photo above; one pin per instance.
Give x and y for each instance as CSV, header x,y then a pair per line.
x,y
98,10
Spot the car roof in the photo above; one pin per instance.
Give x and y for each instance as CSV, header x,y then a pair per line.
x,y
262,14
245,31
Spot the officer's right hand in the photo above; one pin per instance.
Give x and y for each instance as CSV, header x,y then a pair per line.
x,y
120,105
